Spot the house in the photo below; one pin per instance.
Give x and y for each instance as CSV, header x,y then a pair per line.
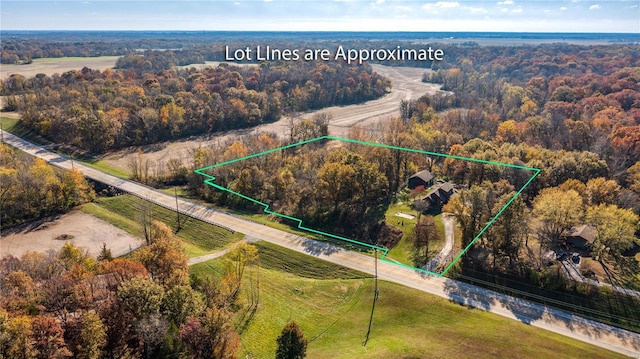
x,y
581,236
439,195
422,178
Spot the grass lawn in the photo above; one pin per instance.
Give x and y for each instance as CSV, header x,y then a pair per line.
x,y
403,251
332,307
198,237
267,220
14,126
105,167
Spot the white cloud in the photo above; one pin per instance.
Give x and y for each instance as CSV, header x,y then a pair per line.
x,y
504,9
268,0
441,5
594,7
378,2
505,2
564,8
547,10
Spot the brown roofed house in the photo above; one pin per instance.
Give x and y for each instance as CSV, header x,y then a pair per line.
x,y
581,236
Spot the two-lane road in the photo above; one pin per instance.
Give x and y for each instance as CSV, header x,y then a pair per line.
x,y
596,333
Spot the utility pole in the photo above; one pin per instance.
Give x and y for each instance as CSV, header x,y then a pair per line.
x,y
375,296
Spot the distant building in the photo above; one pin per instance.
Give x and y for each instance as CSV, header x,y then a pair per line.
x,y
581,236
422,178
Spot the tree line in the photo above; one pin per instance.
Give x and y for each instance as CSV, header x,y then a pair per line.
x,y
32,189
98,111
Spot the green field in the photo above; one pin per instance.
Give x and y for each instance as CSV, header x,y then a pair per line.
x,y
403,251
332,306
198,237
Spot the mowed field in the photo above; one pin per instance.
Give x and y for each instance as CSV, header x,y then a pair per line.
x,y
58,65
332,305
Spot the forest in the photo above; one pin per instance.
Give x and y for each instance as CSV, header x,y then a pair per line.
x,y
70,304
32,189
98,111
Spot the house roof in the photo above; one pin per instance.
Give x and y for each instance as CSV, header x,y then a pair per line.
x,y
585,231
447,187
423,175
441,191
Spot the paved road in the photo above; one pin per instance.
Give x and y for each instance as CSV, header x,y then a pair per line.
x,y
596,333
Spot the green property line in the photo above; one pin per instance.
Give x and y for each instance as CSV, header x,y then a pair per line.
x,y
210,181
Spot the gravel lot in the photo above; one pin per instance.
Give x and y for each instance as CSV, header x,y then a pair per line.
x,y
84,230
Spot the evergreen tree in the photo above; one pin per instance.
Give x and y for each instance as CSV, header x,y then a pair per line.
x,y
291,343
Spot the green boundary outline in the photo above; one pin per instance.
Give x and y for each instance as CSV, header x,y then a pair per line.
x,y
210,181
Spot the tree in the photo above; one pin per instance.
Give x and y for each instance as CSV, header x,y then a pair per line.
x,y
509,230
211,336
469,209
105,253
164,258
602,191
93,337
616,228
291,343
140,297
16,337
425,232
48,338
556,212
180,302
242,255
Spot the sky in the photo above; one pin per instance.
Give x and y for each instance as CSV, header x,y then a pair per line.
x,y
324,15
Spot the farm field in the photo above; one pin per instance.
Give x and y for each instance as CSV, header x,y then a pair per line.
x,y
50,66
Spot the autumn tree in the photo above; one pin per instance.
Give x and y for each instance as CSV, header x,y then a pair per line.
x,y
425,232
16,339
210,336
602,191
556,211
469,209
507,233
140,297
291,343
164,258
48,337
92,337
181,302
616,229
241,256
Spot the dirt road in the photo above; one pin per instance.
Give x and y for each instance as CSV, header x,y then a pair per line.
x,y
406,84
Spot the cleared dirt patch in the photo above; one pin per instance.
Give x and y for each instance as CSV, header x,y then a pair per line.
x,y
58,65
79,228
